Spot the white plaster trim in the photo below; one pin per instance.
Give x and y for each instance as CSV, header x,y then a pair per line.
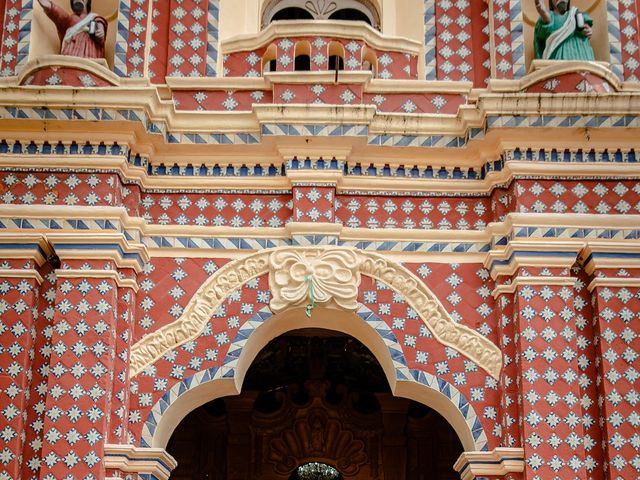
x,y
110,274
21,273
130,459
617,282
496,463
322,28
544,69
521,280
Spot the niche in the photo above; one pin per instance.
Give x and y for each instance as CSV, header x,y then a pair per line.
x,y
596,10
336,56
44,36
302,56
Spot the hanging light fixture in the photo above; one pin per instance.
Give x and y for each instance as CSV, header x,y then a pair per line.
x,y
317,471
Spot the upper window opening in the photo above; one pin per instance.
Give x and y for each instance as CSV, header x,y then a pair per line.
x,y
292,13
346,10
350,14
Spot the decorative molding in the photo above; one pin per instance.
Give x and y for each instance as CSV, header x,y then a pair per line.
x,y
617,282
21,273
110,274
496,463
327,277
521,280
321,28
234,274
129,459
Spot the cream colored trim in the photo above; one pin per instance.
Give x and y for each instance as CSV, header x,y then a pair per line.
x,y
211,83
544,69
21,273
520,280
538,259
330,177
110,274
377,85
315,113
311,78
95,67
612,246
24,237
235,274
617,282
496,463
130,459
311,228
322,28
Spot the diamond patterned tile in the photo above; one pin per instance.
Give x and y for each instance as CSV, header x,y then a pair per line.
x,y
217,210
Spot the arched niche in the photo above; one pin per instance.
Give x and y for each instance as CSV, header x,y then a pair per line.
x,y
229,379
597,9
44,36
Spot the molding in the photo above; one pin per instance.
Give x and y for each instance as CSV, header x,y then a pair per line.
x,y
544,69
235,274
113,246
377,85
311,228
25,244
322,28
532,253
314,77
302,113
521,280
21,273
600,255
617,282
109,274
98,67
141,460
496,463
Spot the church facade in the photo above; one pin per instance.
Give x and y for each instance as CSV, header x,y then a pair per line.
x,y
400,172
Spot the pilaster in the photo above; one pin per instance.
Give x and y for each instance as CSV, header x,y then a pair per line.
x,y
615,295
20,279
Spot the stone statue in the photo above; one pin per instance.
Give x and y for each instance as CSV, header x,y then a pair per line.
x,y
82,33
562,32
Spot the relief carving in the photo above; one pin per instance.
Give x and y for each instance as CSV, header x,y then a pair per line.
x,y
319,276
328,276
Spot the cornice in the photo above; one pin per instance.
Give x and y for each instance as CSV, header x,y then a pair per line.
x,y
496,463
618,282
108,274
522,280
155,462
21,273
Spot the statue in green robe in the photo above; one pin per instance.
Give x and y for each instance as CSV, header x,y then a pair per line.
x,y
562,32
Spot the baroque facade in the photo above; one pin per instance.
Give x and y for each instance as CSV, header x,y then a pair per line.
x,y
400,171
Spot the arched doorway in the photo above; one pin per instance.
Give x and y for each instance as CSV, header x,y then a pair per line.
x,y
315,405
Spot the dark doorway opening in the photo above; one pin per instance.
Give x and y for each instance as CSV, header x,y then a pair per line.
x,y
320,400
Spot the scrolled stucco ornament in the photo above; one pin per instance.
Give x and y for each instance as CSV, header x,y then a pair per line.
x,y
315,276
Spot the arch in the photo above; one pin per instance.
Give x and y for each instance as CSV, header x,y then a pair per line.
x,y
336,56
338,291
346,10
264,326
302,56
269,62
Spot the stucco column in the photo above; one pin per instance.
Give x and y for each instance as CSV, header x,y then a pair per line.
x,y
20,281
548,373
81,368
615,293
508,385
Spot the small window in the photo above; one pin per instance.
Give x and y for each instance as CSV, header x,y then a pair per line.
x,y
336,62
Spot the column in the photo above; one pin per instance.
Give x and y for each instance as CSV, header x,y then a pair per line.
x,y
548,373
81,370
20,281
615,293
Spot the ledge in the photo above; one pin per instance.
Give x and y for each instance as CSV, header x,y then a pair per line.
x,y
496,463
130,459
320,28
